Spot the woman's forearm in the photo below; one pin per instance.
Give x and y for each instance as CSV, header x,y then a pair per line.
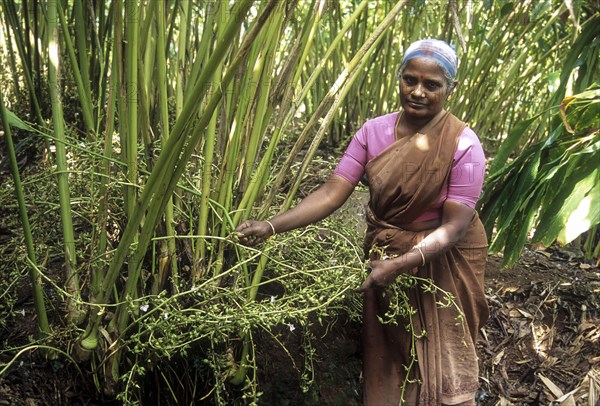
x,y
455,222
316,206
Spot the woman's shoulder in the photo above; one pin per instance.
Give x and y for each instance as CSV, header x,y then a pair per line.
x,y
381,127
468,142
385,120
468,137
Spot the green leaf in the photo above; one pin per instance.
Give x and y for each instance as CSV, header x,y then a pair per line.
x,y
540,9
15,121
492,203
589,31
589,118
519,231
556,134
585,216
553,81
518,197
594,148
572,191
507,9
510,143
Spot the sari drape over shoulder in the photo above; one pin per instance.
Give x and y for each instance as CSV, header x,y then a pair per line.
x,y
405,180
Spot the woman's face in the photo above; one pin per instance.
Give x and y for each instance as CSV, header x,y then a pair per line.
x,y
423,89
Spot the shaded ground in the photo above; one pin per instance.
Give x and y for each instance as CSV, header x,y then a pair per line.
x,y
542,342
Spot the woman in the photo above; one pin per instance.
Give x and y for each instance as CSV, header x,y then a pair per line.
x,y
425,172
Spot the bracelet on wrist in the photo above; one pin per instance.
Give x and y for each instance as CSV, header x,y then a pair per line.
x,y
272,227
422,255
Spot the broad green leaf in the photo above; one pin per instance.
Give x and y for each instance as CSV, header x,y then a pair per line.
x,y
540,9
510,143
494,201
519,232
519,198
507,9
560,177
590,94
589,119
554,135
553,81
554,216
585,216
593,148
15,121
589,31
588,68
551,186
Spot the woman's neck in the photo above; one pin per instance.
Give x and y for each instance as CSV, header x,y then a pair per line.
x,y
410,125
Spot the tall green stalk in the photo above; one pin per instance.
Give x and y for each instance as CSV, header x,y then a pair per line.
x,y
206,41
347,77
131,119
11,16
34,275
72,277
185,8
82,89
176,164
161,75
83,65
8,50
98,272
133,91
290,105
207,172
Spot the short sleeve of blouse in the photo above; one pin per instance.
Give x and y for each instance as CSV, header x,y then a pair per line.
x,y
468,169
352,164
373,137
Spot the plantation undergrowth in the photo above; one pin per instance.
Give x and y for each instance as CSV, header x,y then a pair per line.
x,y
305,322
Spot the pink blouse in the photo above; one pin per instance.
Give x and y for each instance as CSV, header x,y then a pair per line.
x,y
466,177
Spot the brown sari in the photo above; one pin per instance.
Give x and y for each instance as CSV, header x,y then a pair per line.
x,y
405,180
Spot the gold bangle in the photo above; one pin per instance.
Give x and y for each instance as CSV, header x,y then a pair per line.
x,y
422,255
272,227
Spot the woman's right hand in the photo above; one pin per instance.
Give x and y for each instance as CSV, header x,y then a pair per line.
x,y
254,232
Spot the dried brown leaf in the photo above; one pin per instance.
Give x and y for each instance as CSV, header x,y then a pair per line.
x,y
525,314
498,358
556,391
514,314
567,399
594,392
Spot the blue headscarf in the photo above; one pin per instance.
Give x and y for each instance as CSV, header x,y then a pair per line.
x,y
435,49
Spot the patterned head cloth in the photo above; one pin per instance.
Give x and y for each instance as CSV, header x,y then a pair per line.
x,y
435,49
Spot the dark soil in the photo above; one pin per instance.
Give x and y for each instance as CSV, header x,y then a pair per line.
x,y
542,340
540,344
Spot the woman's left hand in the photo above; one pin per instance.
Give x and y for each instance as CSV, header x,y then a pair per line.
x,y
383,273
